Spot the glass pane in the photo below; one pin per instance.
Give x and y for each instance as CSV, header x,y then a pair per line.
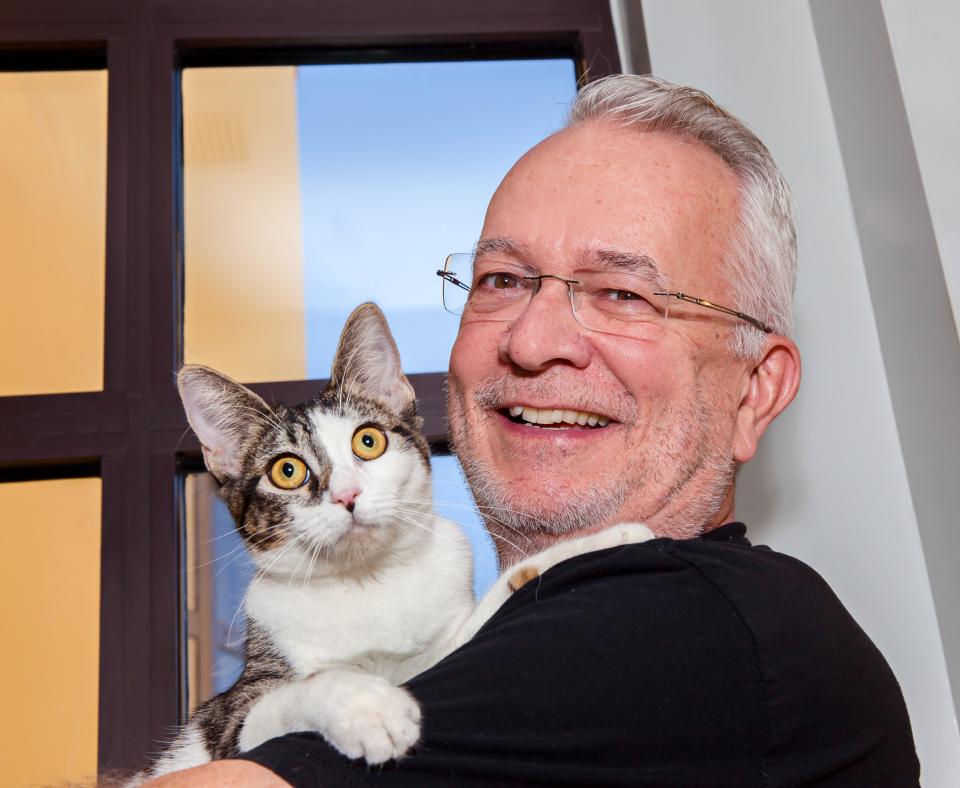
x,y
50,606
219,571
53,165
452,499
309,190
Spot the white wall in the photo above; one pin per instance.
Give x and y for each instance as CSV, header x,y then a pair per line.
x,y
829,484
923,36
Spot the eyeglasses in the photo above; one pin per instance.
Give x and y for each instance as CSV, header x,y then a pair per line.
x,y
610,302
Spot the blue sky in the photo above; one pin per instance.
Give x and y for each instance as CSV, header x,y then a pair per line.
x,y
397,164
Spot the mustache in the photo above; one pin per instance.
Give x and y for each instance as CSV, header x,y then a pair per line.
x,y
493,393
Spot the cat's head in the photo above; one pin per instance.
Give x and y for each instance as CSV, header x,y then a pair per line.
x,y
334,483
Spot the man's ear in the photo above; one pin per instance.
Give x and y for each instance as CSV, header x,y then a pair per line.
x,y
768,389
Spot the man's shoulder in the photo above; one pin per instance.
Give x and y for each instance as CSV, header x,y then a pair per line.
x,y
718,587
722,563
712,634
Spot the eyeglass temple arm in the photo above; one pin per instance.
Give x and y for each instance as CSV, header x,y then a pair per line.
x,y
710,305
449,276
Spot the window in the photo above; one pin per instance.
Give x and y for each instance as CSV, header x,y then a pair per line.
x,y
53,156
122,423
50,601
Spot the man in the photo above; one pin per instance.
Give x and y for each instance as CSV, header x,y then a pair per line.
x,y
692,659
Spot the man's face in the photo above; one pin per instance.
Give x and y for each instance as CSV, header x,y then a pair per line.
x,y
665,457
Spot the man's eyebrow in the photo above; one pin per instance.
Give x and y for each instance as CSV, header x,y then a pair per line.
x,y
629,262
605,259
501,245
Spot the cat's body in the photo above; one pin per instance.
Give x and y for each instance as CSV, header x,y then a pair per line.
x,y
360,585
384,625
371,631
358,579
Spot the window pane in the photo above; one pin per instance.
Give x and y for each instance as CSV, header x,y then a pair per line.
x,y
452,499
50,606
53,154
219,571
309,190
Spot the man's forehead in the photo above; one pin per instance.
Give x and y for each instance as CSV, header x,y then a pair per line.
x,y
642,197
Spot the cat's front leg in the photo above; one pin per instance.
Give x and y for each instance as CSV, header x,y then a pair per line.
x,y
360,714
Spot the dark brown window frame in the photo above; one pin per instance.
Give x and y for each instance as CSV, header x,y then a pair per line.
x,y
132,433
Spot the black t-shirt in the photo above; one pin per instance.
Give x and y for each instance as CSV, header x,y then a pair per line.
x,y
703,662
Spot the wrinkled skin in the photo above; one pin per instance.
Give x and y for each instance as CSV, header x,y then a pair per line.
x,y
684,411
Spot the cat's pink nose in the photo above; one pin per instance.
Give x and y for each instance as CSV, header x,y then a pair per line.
x,y
347,497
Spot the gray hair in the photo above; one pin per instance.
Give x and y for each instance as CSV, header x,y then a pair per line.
x,y
762,258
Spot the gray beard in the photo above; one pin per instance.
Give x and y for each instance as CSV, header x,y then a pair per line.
x,y
506,514
684,444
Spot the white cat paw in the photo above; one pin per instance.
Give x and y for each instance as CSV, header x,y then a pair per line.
x,y
631,533
614,536
378,724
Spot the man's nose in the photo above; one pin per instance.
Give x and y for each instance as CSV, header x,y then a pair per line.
x,y
546,332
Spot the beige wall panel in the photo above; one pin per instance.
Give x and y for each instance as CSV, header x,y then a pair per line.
x,y
244,306
50,608
53,165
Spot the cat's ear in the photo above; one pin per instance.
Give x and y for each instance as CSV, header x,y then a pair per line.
x,y
368,361
223,414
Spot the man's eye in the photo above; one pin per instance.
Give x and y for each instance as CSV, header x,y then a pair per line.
x,y
612,294
500,280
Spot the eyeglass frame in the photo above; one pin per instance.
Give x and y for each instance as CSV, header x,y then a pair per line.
x,y
448,276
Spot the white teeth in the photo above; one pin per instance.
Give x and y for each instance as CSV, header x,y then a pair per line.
x,y
548,416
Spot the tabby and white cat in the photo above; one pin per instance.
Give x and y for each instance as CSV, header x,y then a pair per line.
x,y
357,576
360,585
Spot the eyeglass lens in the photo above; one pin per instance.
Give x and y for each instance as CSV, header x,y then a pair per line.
x,y
608,302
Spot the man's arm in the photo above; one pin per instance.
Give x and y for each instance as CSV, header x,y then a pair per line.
x,y
225,774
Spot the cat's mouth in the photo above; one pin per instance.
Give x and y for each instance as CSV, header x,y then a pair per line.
x,y
555,418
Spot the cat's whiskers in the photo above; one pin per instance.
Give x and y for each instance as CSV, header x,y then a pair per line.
x,y
233,555
276,419
417,522
236,551
316,554
484,512
233,532
478,510
182,436
311,551
257,577
271,419
304,555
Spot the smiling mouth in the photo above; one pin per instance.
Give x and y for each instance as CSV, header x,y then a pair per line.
x,y
555,418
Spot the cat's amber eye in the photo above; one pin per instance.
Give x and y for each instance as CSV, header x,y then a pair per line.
x,y
369,442
288,472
